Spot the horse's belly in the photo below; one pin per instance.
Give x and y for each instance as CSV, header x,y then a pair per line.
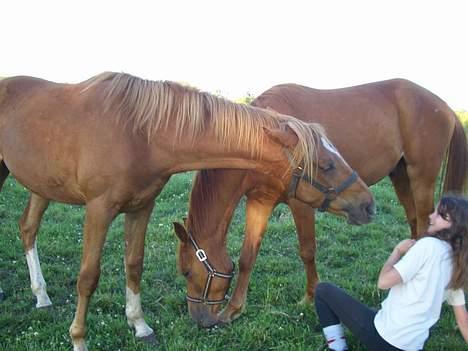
x,y
43,173
53,187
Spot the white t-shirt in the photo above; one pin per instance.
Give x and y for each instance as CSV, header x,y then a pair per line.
x,y
414,305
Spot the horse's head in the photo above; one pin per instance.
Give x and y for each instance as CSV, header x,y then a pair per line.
x,y
208,272
325,180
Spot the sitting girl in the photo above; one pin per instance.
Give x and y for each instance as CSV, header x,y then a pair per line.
x,y
420,274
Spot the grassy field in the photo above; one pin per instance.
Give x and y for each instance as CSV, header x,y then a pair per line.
x,y
348,256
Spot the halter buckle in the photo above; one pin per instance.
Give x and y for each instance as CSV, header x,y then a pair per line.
x,y
201,255
298,172
331,193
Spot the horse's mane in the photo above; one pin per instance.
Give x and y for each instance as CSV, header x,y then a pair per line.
x,y
203,199
149,106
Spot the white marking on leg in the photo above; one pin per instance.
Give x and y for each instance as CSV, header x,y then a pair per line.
x,y
38,284
135,314
79,345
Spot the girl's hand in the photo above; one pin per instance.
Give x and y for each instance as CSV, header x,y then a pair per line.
x,y
404,245
389,276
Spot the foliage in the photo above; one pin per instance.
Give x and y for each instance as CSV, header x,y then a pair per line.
x,y
463,115
246,99
348,256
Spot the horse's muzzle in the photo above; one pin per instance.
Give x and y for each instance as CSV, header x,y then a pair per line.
x,y
203,315
361,215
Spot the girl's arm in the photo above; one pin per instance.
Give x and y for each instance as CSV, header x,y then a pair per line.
x,y
462,320
389,276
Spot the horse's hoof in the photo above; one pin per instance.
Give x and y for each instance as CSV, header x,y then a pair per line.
x,y
149,339
224,318
229,314
47,308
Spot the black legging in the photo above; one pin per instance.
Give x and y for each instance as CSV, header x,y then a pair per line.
x,y
334,306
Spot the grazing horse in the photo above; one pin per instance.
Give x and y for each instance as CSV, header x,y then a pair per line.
x,y
113,141
394,128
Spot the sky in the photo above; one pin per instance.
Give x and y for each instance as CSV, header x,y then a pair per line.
x,y
241,47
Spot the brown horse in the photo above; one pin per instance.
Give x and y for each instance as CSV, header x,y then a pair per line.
x,y
112,142
394,128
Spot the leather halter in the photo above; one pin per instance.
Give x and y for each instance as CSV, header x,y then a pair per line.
x,y
212,273
330,193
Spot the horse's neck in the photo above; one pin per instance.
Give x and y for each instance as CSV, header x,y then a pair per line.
x,y
211,219
209,153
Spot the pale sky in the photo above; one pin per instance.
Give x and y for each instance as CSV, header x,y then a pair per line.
x,y
242,46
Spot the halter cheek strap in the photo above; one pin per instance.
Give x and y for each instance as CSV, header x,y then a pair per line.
x,y
212,273
330,193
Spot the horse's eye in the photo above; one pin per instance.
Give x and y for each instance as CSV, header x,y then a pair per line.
x,y
328,167
186,274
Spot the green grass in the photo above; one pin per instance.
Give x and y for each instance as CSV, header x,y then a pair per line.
x,y
348,256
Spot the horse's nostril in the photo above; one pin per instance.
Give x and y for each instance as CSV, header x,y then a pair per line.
x,y
370,209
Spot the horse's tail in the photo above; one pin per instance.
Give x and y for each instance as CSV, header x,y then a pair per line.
x,y
457,161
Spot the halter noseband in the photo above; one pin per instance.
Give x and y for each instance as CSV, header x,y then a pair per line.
x,y
330,193
212,273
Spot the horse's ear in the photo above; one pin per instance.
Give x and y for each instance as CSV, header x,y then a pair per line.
x,y
181,232
286,137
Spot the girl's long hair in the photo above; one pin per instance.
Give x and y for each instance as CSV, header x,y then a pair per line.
x,y
455,209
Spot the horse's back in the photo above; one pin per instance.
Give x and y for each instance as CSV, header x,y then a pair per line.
x,y
390,99
16,89
26,98
380,121
361,121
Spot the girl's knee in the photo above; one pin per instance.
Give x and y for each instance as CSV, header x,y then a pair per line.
x,y
323,289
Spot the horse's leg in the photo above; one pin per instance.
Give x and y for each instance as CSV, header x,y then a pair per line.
x,y
304,218
257,213
28,226
135,231
423,179
3,176
98,218
401,183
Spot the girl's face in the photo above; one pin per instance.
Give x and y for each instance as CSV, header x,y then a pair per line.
x,y
438,222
